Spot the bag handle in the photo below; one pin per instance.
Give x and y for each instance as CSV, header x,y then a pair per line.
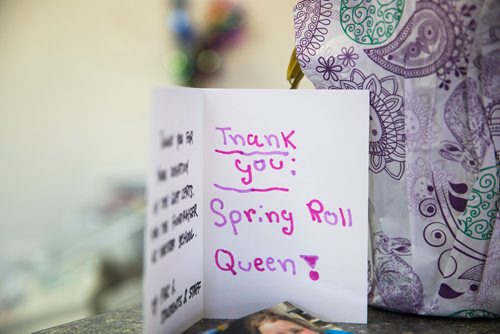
x,y
294,73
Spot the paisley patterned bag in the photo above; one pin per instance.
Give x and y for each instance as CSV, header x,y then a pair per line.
x,y
433,69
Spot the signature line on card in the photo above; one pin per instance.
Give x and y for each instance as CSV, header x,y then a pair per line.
x,y
253,152
251,189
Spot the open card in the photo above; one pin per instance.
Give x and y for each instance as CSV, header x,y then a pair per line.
x,y
255,197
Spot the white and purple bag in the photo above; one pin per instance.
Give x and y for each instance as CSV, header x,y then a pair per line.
x,y
433,69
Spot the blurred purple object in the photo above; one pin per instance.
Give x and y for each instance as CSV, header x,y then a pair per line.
x,y
202,50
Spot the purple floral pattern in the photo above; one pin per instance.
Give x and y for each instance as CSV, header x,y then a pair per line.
x,y
420,130
466,119
434,41
493,113
434,150
490,76
484,296
348,56
422,177
387,147
311,19
328,68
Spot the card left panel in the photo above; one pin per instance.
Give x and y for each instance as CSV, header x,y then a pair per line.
x,y
173,260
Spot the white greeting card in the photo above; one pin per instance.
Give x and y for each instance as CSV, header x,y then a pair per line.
x,y
255,197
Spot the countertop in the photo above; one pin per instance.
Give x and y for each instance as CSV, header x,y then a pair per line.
x,y
129,320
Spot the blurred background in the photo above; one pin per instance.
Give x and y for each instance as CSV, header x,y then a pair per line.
x,y
75,84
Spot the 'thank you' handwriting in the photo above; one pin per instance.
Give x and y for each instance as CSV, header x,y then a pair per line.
x,y
257,154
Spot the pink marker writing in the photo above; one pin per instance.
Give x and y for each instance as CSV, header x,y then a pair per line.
x,y
319,214
270,140
251,215
225,260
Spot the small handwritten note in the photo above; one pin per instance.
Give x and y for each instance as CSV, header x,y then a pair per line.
x,y
255,197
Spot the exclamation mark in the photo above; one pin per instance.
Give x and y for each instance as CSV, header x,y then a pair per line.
x,y
311,262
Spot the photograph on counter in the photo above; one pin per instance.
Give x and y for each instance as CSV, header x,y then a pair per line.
x,y
282,318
